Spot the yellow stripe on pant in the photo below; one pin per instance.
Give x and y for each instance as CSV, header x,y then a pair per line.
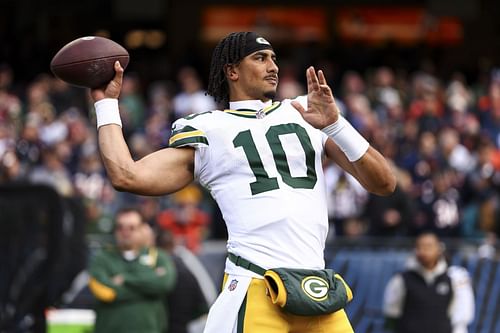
x,y
259,315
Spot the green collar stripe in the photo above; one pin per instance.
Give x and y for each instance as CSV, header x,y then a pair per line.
x,y
272,107
188,141
241,114
249,113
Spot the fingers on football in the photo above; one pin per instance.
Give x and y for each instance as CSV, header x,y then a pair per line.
x,y
118,68
118,72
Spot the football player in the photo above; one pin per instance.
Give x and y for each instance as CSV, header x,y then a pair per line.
x,y
261,161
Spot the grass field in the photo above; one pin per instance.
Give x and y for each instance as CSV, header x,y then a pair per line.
x,y
70,321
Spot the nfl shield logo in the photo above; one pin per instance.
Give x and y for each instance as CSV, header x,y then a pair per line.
x,y
233,285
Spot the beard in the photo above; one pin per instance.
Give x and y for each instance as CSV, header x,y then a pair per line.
x,y
270,94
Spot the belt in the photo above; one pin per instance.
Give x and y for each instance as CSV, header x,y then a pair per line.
x,y
242,262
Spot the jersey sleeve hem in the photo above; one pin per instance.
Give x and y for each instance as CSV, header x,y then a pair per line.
x,y
187,136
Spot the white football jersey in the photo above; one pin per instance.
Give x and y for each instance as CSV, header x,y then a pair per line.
x,y
264,170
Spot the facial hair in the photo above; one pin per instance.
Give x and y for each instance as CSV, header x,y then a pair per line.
x,y
270,95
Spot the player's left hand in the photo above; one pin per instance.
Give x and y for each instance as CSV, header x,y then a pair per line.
x,y
321,108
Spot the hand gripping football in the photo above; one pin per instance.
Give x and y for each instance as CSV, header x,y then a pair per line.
x,y
88,61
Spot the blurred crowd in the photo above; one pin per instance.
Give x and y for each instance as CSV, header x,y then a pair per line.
x,y
441,134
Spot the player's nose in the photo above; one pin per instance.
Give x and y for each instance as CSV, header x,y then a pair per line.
x,y
272,67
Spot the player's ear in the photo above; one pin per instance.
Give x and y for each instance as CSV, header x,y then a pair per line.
x,y
231,72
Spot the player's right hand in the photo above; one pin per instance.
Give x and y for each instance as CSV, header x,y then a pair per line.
x,y
112,89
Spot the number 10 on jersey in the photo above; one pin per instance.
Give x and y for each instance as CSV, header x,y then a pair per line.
x,y
263,182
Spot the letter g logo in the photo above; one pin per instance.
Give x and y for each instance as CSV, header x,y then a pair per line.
x,y
262,40
315,287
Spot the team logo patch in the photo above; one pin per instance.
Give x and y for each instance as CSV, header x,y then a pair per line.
x,y
262,40
442,288
233,285
315,287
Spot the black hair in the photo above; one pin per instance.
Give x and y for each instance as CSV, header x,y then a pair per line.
x,y
229,50
426,232
130,209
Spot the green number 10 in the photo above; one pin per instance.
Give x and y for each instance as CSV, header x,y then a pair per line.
x,y
263,182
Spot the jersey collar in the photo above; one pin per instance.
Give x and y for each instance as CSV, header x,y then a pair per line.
x,y
252,108
253,104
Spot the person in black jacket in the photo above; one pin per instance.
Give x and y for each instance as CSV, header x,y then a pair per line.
x,y
429,296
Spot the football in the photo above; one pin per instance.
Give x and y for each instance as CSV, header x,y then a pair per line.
x,y
88,61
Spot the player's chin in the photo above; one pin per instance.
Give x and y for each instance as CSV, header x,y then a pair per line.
x,y
270,94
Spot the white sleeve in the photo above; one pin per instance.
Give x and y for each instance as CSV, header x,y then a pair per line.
x,y
190,132
394,296
462,306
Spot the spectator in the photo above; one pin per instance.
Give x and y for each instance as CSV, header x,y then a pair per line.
x,y
456,155
157,125
53,171
458,101
392,215
352,83
192,98
439,204
130,281
424,161
490,117
427,107
10,104
384,95
10,167
132,104
429,296
65,97
480,192
346,200
185,219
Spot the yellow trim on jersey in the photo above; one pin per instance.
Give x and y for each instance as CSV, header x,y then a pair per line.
x,y
101,291
252,113
184,135
241,112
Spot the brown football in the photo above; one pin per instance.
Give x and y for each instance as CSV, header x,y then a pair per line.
x,y
88,61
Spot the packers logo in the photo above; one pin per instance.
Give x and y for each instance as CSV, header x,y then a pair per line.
x,y
315,287
262,40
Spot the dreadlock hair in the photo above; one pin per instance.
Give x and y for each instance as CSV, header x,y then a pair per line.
x,y
228,51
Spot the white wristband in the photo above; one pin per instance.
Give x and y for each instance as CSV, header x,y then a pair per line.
x,y
107,112
347,138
